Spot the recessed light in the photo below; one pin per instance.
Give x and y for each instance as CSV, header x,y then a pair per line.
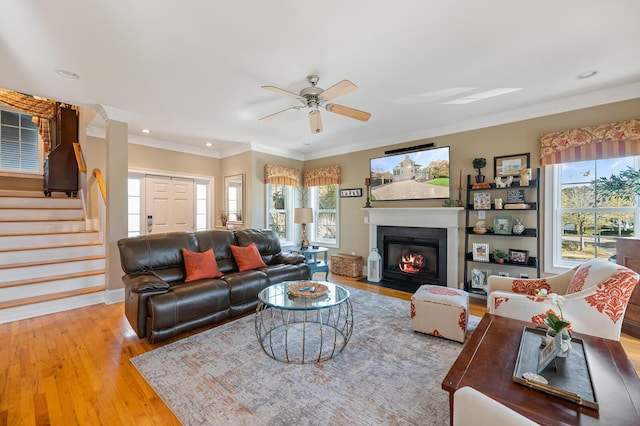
x,y
145,130
209,144
586,74
306,143
67,74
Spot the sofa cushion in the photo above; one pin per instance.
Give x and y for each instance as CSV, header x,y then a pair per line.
x,y
200,265
247,258
265,239
220,241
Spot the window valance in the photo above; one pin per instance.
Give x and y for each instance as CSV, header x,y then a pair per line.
x,y
43,111
611,140
330,175
280,175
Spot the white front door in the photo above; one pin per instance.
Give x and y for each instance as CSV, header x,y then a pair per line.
x,y
169,204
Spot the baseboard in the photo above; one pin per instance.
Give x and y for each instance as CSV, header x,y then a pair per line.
x,y
114,296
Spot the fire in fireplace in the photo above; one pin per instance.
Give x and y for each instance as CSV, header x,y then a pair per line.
x,y
413,255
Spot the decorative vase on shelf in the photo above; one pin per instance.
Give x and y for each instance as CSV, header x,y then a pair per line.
x,y
518,227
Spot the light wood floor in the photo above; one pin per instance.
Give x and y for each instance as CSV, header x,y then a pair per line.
x,y
73,368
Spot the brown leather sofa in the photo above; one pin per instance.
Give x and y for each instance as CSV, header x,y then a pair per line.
x,y
160,305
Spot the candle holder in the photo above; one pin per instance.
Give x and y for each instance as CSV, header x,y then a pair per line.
x,y
459,202
367,183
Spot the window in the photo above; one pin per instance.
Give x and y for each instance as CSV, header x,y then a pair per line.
x,y
18,142
324,201
587,219
202,206
280,205
134,203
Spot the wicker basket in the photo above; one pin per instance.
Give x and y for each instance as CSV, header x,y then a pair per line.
x,y
346,265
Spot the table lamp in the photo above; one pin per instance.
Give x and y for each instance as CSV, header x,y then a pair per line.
x,y
303,215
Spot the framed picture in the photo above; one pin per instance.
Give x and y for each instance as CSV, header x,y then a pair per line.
x,y
503,225
549,352
481,201
519,256
510,165
353,192
479,278
480,252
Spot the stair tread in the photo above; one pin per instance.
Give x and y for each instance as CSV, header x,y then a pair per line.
x,y
50,262
95,243
49,297
50,233
51,278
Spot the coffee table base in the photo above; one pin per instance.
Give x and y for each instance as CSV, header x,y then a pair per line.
x,y
304,336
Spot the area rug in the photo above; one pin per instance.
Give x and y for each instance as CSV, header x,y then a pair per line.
x,y
386,375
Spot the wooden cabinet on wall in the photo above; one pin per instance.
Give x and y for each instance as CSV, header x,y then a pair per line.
x,y
628,254
61,167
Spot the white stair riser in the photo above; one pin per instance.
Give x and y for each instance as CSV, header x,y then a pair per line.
x,y
49,203
41,271
44,254
41,214
50,307
44,240
31,290
12,228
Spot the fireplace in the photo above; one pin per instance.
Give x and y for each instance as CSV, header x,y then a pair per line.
x,y
427,227
413,255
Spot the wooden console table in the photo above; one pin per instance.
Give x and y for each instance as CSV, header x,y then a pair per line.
x,y
487,362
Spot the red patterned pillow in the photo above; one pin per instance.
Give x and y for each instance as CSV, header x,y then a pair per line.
x,y
200,265
248,257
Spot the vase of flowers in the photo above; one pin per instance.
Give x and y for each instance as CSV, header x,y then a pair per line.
x,y
556,324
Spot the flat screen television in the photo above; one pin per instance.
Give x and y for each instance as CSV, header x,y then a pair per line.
x,y
417,175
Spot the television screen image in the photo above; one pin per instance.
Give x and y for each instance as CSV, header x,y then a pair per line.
x,y
415,175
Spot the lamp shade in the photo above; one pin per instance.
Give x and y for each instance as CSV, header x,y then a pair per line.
x,y
303,215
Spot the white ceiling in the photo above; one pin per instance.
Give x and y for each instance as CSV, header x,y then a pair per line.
x,y
191,70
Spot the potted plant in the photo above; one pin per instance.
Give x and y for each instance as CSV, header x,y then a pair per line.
x,y
500,256
478,164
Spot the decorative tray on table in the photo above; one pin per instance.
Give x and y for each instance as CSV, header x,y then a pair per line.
x,y
568,378
308,289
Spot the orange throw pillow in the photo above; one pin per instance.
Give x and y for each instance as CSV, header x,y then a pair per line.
x,y
248,257
200,265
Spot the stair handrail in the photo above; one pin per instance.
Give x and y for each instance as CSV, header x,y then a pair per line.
x,y
79,157
98,174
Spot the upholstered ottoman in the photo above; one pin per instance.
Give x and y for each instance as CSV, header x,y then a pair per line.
x,y
440,311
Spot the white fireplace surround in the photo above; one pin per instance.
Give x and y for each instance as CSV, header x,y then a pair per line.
x,y
423,217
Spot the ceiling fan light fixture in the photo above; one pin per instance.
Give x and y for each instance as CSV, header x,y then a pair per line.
x,y
315,121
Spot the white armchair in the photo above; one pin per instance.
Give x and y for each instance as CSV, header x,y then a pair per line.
x,y
596,297
473,408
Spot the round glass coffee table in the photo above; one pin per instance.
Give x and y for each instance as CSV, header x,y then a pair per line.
x,y
300,326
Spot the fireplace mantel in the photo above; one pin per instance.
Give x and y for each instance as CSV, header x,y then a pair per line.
x,y
424,217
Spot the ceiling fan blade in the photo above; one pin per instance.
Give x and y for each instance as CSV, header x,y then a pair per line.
x,y
338,89
282,91
348,112
315,121
275,114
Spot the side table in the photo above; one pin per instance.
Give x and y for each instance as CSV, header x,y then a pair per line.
x,y
311,259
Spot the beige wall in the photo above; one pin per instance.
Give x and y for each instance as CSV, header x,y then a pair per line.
x,y
507,139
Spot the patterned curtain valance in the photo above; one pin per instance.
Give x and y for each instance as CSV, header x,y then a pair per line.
x,y
330,175
281,175
43,111
612,140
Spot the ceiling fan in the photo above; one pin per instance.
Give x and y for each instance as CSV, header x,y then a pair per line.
x,y
314,97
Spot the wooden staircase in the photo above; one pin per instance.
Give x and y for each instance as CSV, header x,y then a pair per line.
x,y
49,262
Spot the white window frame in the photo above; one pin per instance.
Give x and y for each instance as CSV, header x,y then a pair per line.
x,y
290,197
312,230
553,262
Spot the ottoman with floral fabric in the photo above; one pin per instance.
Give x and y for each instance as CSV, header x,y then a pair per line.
x,y
440,311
